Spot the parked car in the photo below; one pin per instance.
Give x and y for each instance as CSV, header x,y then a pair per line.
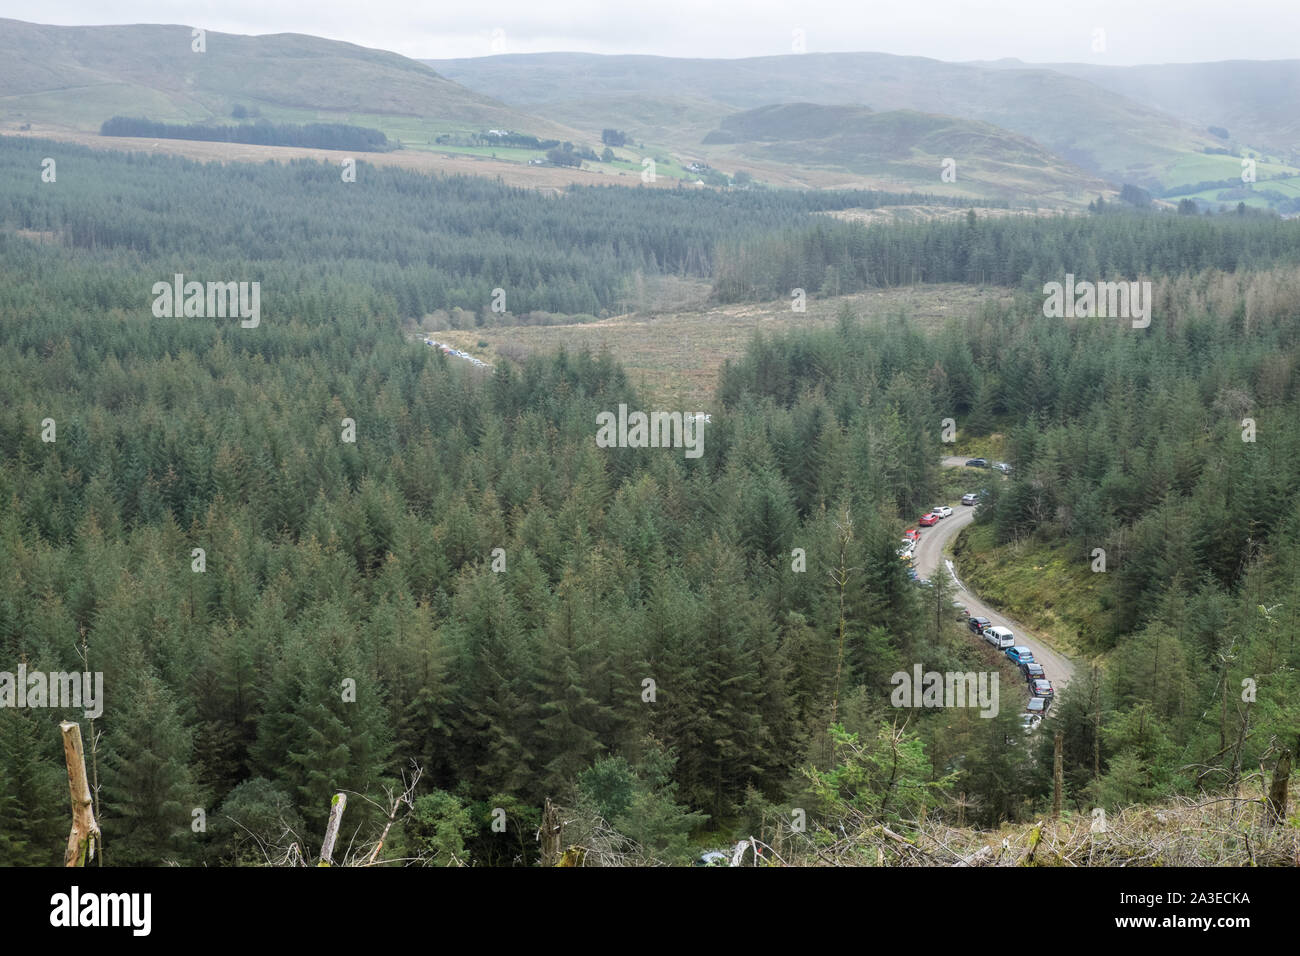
x,y
960,608
928,519
1020,655
905,554
969,499
1041,688
999,637
1038,706
1033,671
977,463
1030,722
1002,466
977,624
943,511
912,534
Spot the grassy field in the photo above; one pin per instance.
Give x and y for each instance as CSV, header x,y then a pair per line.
x,y
1202,167
674,358
511,173
1193,169
1211,196
1287,187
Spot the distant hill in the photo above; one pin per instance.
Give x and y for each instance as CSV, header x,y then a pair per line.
x,y
1257,102
1098,129
904,145
1024,131
77,77
784,122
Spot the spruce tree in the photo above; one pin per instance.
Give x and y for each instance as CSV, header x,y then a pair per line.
x,y
149,793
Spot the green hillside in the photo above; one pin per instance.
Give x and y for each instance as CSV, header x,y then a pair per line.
x,y
905,145
1098,129
1254,101
77,77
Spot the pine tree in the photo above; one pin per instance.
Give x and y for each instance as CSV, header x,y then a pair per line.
x,y
149,794
330,728
33,791
572,654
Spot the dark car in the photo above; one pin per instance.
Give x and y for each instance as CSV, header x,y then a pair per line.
x,y
970,498
977,624
1041,688
1033,671
977,463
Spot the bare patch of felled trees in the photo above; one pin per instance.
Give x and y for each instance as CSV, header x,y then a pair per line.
x,y
1209,830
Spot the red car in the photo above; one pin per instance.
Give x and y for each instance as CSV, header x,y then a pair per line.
x,y
928,519
912,534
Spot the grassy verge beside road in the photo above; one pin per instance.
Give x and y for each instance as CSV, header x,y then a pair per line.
x,y
1048,587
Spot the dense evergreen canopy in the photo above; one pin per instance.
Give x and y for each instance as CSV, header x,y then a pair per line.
x,y
261,133
474,585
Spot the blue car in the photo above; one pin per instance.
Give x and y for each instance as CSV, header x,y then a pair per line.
x,y
1020,655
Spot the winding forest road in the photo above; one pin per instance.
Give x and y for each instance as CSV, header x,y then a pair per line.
x,y
930,557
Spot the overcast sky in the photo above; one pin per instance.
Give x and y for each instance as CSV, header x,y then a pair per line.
x,y
1135,31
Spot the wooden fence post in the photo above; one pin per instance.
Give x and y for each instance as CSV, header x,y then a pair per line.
x,y
85,831
337,806
1277,794
549,833
1058,777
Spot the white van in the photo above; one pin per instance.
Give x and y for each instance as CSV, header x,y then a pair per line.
x,y
999,637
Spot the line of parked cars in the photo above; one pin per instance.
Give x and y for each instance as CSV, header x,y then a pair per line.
x,y
933,517
1001,466
455,352
1041,692
1040,688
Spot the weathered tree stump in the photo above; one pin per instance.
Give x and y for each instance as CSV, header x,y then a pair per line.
x,y
85,831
